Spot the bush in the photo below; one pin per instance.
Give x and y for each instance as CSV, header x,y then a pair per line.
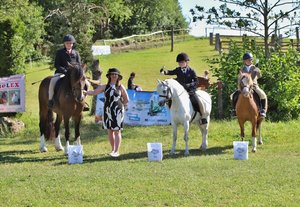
x,y
280,79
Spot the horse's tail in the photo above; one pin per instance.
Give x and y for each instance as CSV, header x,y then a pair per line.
x,y
49,129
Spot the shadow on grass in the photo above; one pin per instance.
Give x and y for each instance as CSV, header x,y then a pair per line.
x,y
143,155
14,157
198,152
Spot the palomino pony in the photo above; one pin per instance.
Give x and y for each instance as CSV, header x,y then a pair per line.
x,y
182,111
247,109
68,102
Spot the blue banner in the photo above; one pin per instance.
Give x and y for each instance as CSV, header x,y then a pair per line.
x,y
143,109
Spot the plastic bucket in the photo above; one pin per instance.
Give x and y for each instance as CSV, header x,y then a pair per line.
x,y
240,150
154,151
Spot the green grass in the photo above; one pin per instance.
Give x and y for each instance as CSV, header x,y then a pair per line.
x,y
147,63
271,176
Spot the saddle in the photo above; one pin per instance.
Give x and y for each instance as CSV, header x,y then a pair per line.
x,y
193,101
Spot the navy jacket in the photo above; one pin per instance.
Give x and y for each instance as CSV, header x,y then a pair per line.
x,y
188,79
63,57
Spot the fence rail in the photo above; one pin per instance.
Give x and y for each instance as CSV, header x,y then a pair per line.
x,y
222,42
142,41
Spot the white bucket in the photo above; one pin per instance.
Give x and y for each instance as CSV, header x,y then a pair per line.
x,y
154,151
75,154
240,150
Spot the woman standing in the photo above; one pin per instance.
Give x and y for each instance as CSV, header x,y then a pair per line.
x,y
116,100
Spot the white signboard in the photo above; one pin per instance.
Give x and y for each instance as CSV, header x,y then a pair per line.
x,y
12,94
101,50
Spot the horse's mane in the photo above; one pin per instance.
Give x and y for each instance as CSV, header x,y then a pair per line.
x,y
174,82
77,70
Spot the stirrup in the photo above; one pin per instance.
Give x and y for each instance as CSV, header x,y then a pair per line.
x,y
86,107
263,113
233,113
50,104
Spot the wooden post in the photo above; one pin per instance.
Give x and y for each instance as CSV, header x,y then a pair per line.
x,y
297,36
280,40
211,38
172,39
217,43
220,99
273,37
96,75
292,43
220,46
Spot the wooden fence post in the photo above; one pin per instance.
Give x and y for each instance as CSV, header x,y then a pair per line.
x,y
96,75
211,38
220,99
297,36
172,39
217,43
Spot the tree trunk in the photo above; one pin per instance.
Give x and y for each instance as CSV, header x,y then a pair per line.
x,y
266,27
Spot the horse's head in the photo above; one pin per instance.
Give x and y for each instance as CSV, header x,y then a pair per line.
x,y
163,91
77,81
245,83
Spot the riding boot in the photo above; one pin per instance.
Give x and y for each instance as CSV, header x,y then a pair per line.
x,y
234,101
263,108
203,120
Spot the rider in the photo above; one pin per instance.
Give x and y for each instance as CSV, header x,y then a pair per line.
x,y
63,57
186,76
255,74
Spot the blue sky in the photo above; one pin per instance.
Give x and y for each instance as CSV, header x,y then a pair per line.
x,y
197,29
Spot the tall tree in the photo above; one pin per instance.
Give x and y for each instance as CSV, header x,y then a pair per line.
x,y
150,15
21,28
255,15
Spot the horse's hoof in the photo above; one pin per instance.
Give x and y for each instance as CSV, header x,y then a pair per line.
x,y
260,142
254,150
171,153
186,154
59,149
202,148
43,149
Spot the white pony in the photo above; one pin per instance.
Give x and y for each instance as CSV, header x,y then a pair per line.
x,y
182,111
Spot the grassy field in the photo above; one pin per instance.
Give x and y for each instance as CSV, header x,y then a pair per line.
x,y
271,177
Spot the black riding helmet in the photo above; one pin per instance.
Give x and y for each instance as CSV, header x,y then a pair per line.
x,y
69,38
182,57
247,56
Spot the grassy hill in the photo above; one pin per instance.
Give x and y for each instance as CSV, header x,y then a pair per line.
x,y
271,177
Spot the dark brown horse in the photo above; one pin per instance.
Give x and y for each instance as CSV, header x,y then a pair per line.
x,y
68,102
247,109
203,83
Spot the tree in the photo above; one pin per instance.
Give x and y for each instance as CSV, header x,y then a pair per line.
x,y
21,28
149,16
74,17
259,14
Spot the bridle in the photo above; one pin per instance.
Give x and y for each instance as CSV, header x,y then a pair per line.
x,y
77,88
168,93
